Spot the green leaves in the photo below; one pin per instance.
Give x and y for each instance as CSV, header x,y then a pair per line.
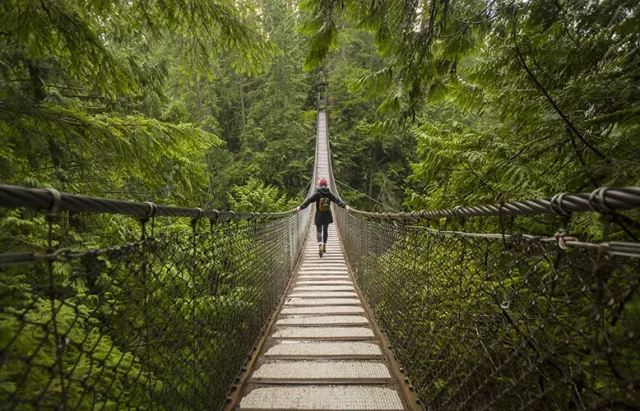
x,y
86,90
256,197
321,27
507,100
98,144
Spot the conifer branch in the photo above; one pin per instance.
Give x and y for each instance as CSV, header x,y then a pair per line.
x,y
533,78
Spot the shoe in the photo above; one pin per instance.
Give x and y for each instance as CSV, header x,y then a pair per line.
x,y
324,248
320,249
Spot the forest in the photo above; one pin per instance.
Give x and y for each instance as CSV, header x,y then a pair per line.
x,y
435,104
432,104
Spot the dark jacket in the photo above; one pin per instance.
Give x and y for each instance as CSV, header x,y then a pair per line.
x,y
322,217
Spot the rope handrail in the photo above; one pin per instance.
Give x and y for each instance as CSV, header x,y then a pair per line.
x,y
505,321
603,199
45,199
165,319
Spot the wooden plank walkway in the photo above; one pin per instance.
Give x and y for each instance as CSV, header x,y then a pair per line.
x,y
324,350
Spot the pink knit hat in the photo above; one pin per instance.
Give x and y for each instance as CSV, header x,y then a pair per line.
x,y
323,182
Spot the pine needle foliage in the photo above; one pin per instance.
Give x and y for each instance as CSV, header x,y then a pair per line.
x,y
127,100
507,99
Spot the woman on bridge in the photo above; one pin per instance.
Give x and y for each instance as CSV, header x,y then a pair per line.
x,y
323,198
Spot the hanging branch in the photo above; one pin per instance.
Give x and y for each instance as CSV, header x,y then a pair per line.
x,y
524,65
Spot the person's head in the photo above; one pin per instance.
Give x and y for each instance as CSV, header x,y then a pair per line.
x,y
323,182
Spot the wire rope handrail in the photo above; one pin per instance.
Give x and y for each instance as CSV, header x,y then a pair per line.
x,y
109,304
603,200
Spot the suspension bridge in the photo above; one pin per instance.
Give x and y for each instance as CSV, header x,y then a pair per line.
x,y
406,311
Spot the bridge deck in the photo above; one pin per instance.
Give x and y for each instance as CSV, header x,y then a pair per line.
x,y
322,352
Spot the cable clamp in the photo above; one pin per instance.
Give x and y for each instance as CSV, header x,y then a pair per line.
x,y
200,214
597,200
153,210
194,220
556,206
52,213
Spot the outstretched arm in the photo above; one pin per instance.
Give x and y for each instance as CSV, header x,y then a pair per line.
x,y
337,200
309,200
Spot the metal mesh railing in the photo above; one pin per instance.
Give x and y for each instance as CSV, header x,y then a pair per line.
x,y
506,321
166,318
163,321
493,321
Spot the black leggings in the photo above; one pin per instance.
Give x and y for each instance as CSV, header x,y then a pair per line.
x,y
323,232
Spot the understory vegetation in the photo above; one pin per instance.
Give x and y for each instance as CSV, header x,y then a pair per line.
x,y
212,104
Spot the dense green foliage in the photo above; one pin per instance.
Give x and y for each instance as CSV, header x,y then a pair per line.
x,y
500,323
180,103
433,103
197,97
507,100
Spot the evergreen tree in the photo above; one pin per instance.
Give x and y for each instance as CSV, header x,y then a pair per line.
x,y
507,100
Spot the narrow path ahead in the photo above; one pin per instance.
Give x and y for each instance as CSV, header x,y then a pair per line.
x,y
322,351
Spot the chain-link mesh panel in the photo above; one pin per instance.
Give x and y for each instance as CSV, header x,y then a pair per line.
x,y
483,323
161,323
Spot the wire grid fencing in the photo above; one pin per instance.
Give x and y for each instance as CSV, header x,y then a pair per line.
x,y
165,321
493,322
